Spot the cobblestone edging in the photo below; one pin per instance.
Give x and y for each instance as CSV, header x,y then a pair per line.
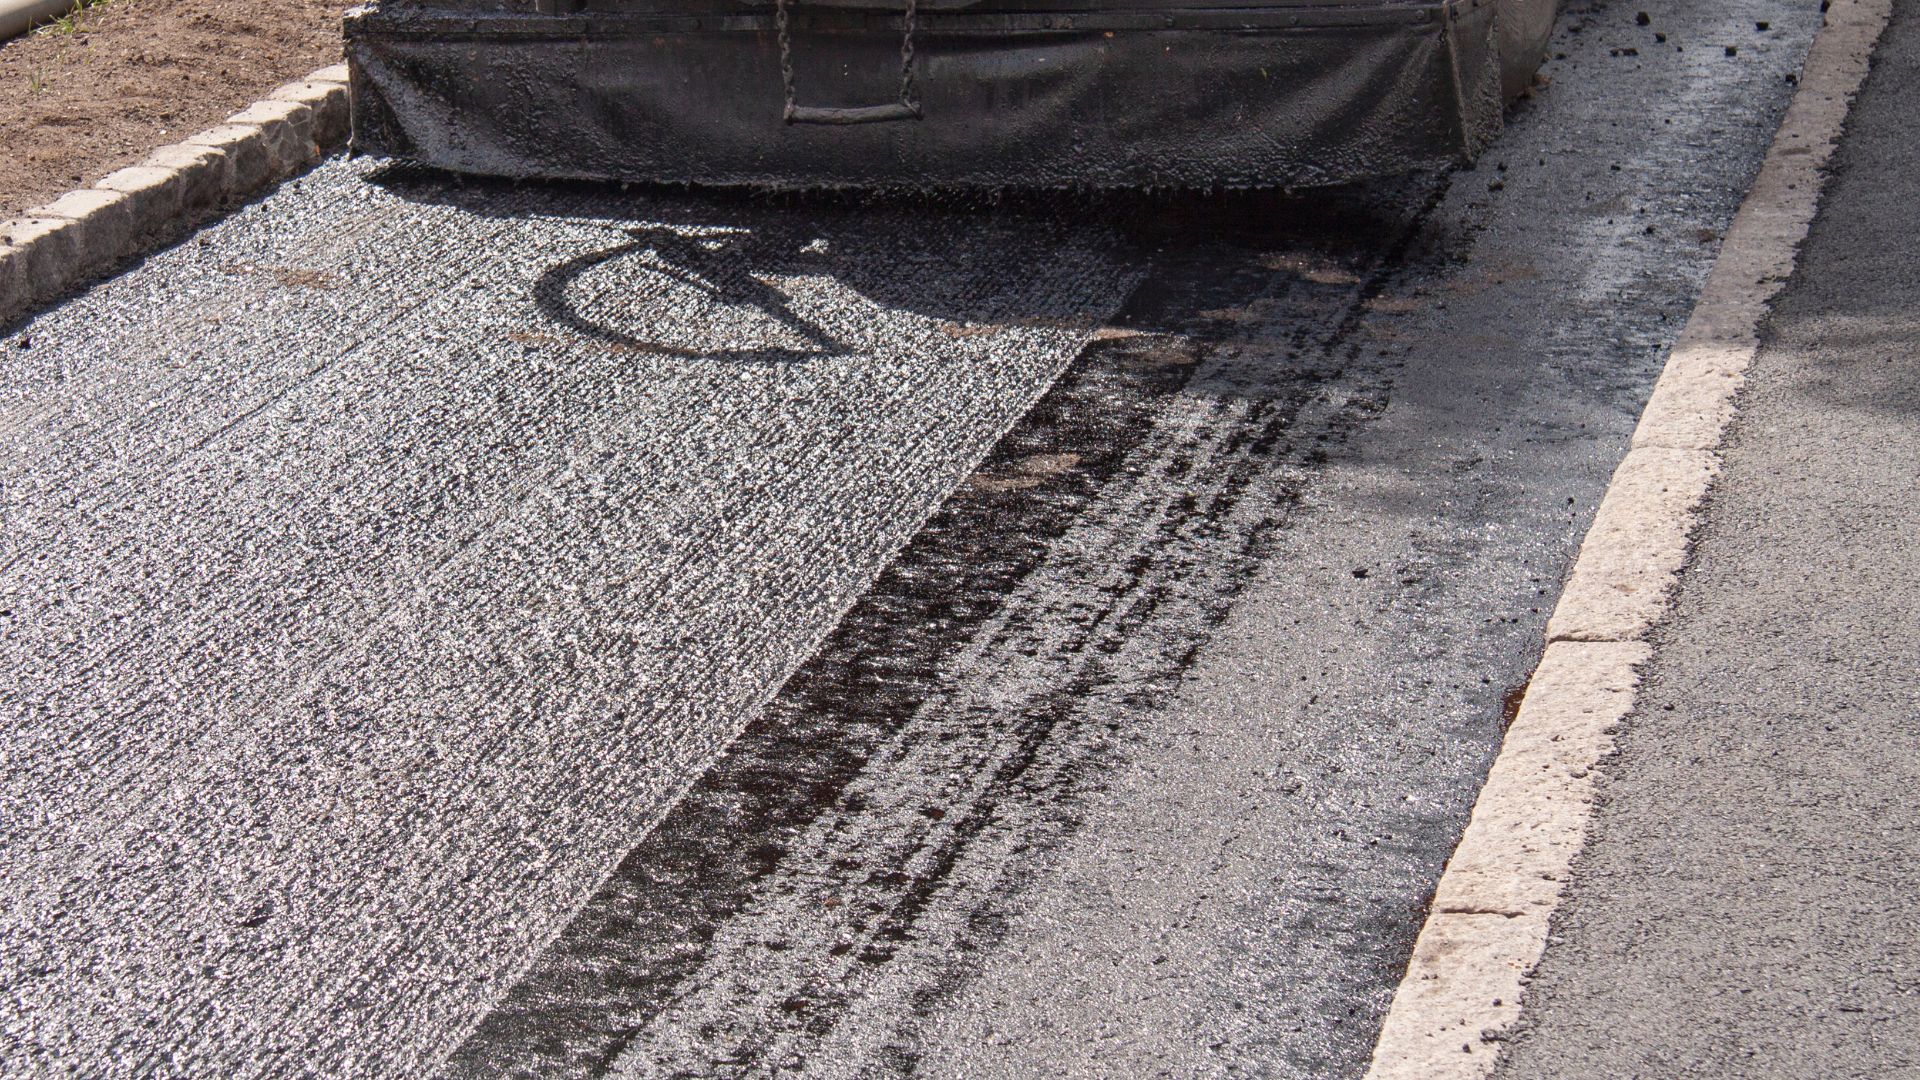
x,y
51,249
1464,987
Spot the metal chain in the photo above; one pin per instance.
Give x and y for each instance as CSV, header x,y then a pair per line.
x,y
786,57
780,22
906,56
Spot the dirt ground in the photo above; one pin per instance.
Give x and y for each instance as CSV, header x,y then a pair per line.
x,y
81,98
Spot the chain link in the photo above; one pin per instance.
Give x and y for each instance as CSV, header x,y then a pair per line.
x,y
786,57
906,56
781,21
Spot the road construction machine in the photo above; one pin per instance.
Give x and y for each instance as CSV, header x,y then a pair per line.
x,y
940,93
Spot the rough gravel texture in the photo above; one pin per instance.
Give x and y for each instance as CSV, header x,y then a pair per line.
x,y
1746,907
365,600
381,567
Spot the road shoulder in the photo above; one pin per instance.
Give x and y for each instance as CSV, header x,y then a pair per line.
x,y
53,249
1745,908
1462,995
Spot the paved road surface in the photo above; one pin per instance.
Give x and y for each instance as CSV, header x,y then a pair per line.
x,y
358,612
1747,907
382,566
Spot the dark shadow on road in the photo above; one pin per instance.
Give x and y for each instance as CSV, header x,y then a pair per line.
x,y
736,246
728,269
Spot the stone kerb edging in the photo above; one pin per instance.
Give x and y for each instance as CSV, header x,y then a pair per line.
x,y
1487,927
53,248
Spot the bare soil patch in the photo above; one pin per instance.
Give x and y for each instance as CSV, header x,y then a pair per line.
x,y
82,99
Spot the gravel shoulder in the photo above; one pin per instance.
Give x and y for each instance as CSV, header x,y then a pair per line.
x,y
1745,907
131,75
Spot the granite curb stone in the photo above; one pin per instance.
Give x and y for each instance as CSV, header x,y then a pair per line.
x,y
1464,988
52,249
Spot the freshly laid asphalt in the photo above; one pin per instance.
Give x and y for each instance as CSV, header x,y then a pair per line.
x,y
1118,599
1747,905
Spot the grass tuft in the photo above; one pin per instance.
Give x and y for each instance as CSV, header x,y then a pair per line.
x,y
72,22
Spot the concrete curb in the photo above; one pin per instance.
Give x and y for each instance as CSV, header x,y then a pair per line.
x,y
1491,911
19,16
54,248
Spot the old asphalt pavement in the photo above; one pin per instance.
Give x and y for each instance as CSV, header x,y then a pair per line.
x,y
1747,905
555,631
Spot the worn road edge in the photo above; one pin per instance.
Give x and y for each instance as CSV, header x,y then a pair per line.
x,y
1488,924
52,249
